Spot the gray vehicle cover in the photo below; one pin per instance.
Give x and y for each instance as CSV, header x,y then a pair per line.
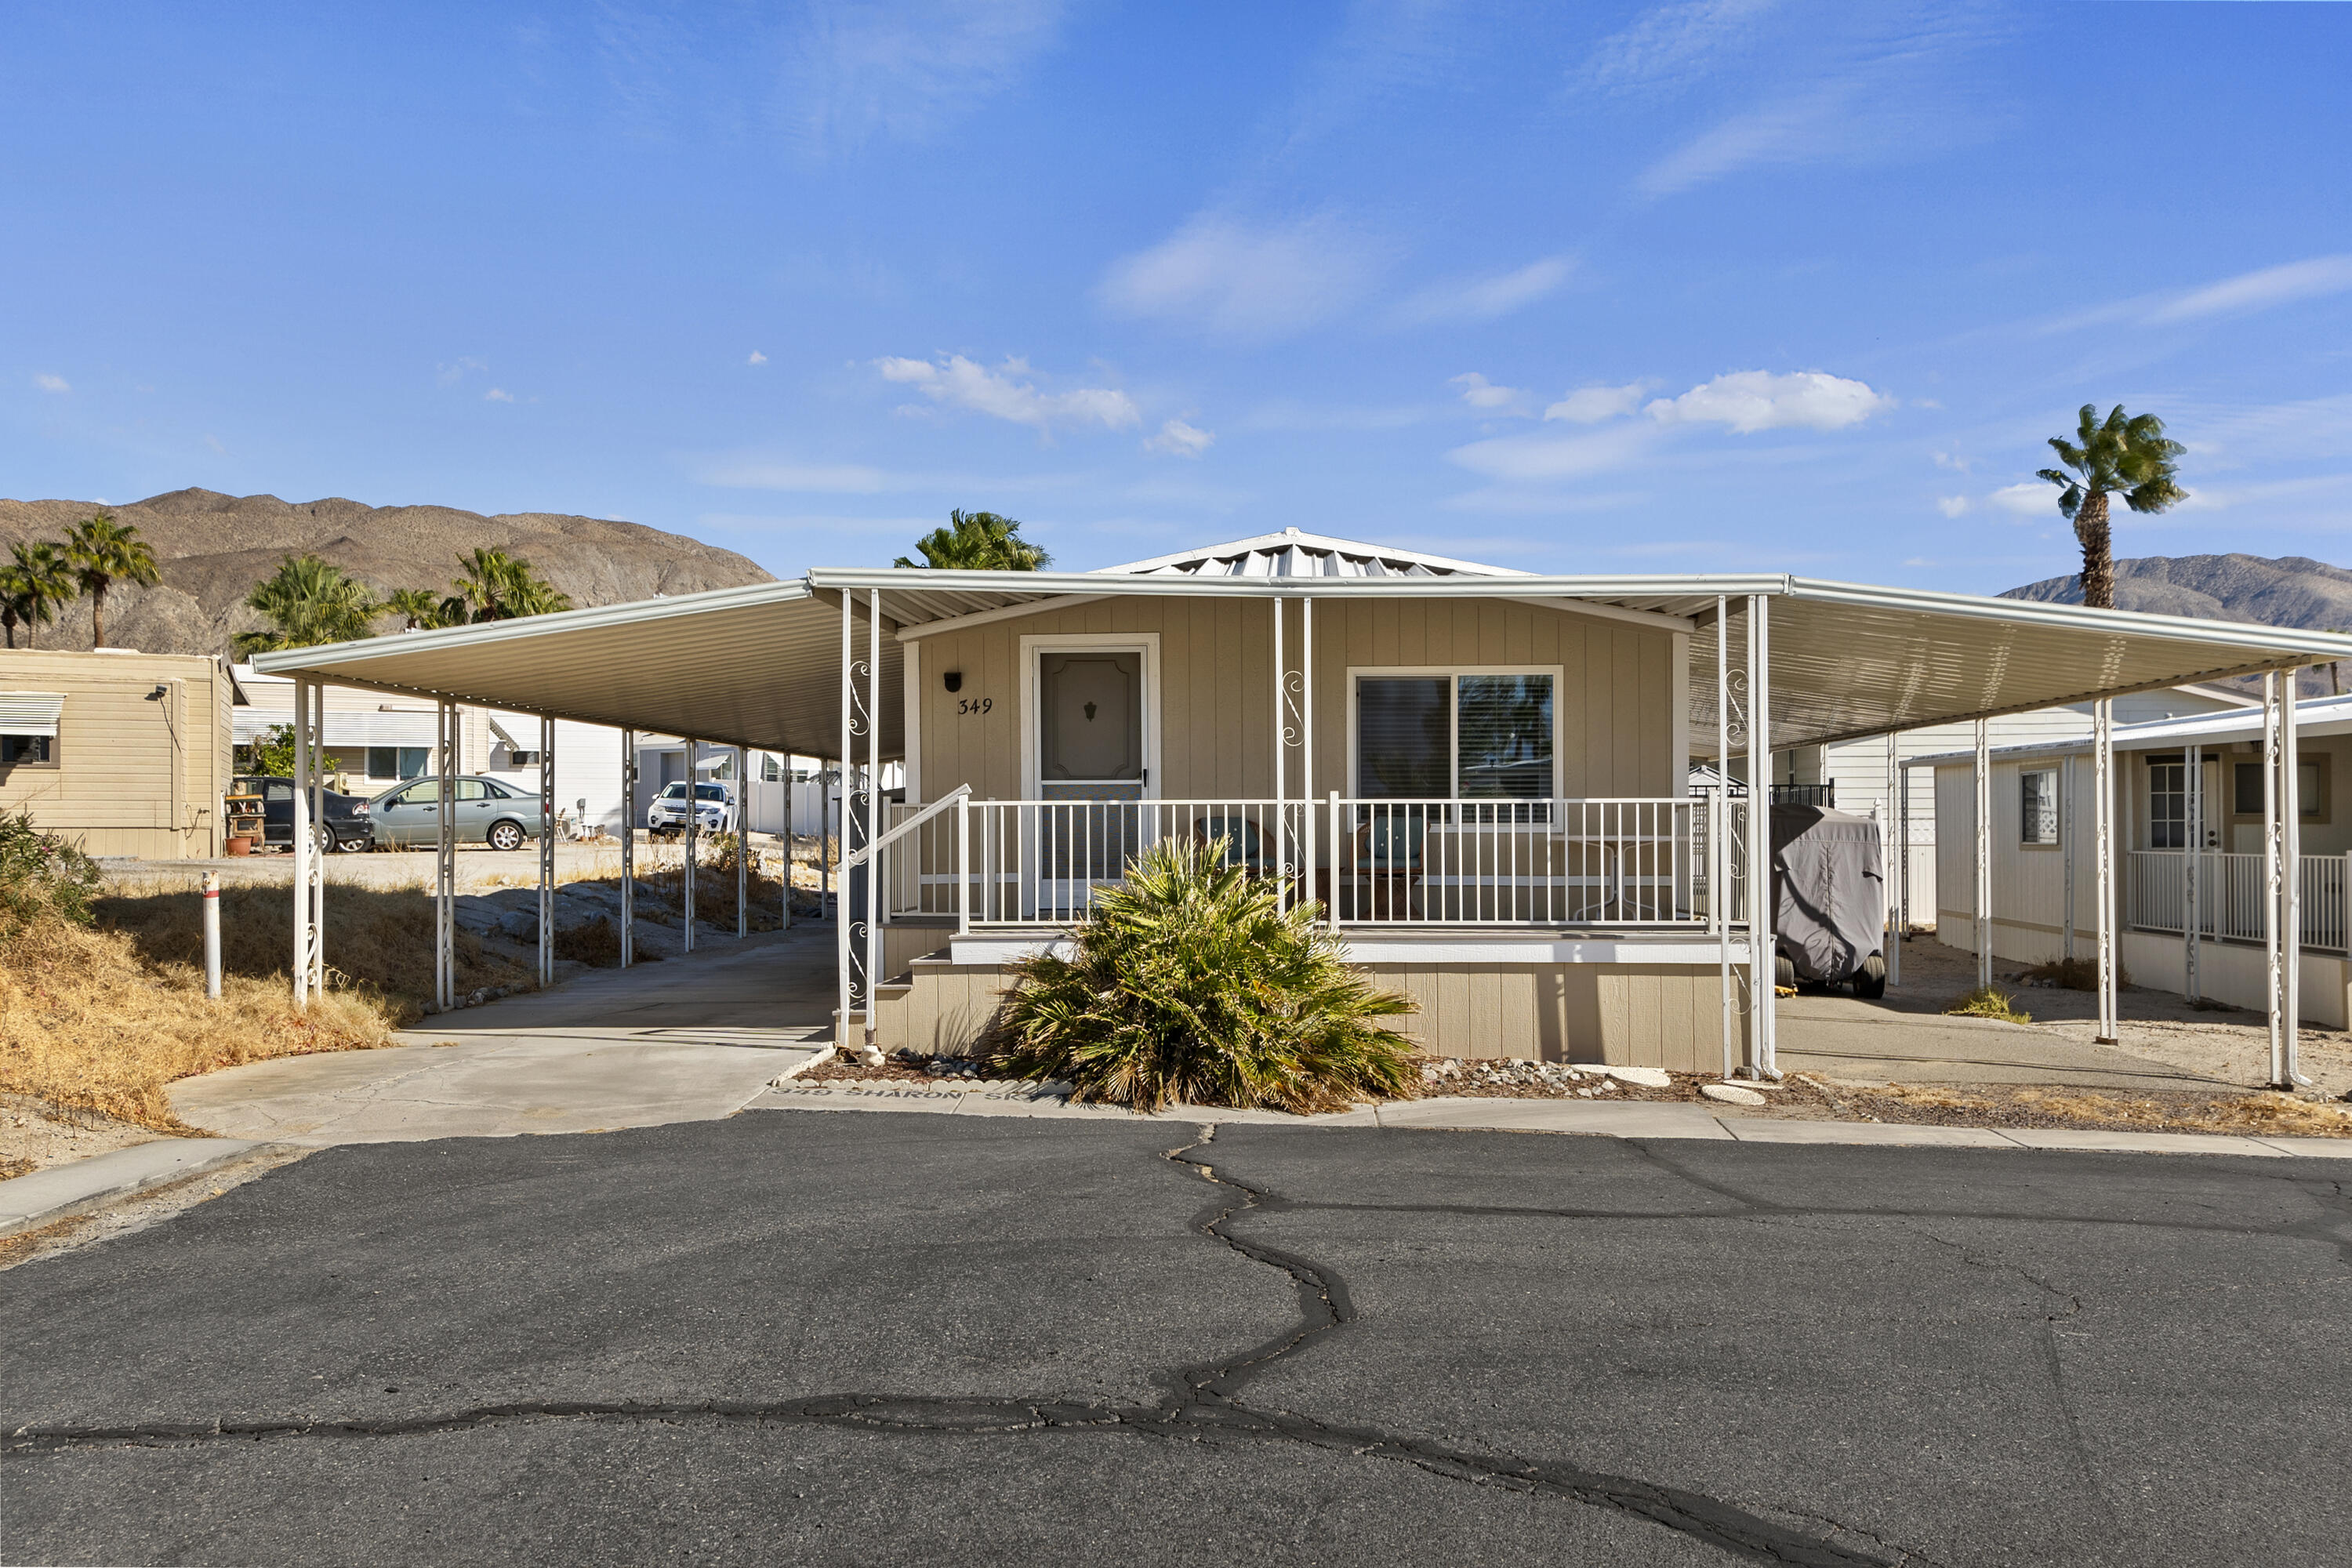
x,y
1828,876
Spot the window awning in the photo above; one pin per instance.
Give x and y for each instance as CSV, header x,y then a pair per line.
x,y
31,712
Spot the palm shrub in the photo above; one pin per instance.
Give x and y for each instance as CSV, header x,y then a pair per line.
x,y
1193,983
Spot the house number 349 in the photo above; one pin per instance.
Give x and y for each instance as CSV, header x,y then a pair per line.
x,y
975,704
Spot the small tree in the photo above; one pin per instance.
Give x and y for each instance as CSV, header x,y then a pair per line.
x,y
104,552
1192,983
308,602
977,542
2130,457
34,583
271,754
418,608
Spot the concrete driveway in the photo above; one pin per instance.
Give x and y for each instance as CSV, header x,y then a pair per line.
x,y
677,1041
887,1339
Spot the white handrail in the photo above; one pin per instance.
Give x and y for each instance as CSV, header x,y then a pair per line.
x,y
865,852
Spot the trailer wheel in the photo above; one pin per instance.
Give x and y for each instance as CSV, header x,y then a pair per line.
x,y
1869,984
1784,973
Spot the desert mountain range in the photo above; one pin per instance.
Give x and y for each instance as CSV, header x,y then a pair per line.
x,y
214,548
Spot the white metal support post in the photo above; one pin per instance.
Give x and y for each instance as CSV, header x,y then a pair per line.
x,y
693,831
1281,746
841,933
2192,867
1718,866
787,916
323,839
2291,910
963,865
1305,748
1981,776
303,850
1763,964
1902,901
444,860
1897,834
873,820
628,845
2273,896
546,850
2103,811
2066,824
743,850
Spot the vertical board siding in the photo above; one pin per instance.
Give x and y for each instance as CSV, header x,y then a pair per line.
x,y
1216,682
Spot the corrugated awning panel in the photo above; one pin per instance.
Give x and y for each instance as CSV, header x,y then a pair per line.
x,y
31,712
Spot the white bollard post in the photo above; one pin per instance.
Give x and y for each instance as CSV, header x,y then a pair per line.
x,y
212,935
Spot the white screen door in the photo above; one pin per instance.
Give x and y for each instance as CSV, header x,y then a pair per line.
x,y
1092,769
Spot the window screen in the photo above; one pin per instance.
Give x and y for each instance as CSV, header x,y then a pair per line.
x,y
14,749
2038,805
1403,736
2249,792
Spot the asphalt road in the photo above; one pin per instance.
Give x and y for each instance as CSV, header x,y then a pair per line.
x,y
882,1339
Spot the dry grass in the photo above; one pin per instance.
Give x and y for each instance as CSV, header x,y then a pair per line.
x,y
2222,1111
379,940
88,1020
1990,1002
598,943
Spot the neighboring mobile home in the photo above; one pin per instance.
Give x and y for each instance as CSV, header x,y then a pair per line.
x,y
2191,923
1478,776
121,753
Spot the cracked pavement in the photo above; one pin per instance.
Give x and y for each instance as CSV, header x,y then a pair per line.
x,y
898,1338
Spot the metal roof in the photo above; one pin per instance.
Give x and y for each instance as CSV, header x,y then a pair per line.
x,y
759,666
2314,717
1292,554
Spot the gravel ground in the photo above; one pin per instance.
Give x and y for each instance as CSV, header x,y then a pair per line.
x,y
35,1135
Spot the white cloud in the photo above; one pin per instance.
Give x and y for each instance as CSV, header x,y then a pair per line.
x,y
1752,400
861,72
1953,461
2312,279
1544,459
1480,392
2027,497
1671,46
498,394
959,382
1245,282
757,358
48,383
1592,405
455,370
1179,440
1951,506
1485,299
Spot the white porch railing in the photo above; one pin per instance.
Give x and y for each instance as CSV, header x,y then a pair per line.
x,y
2232,896
1559,863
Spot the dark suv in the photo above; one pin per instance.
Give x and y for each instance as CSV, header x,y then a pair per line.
x,y
346,815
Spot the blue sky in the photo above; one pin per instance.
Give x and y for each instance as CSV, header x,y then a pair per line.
x,y
1697,287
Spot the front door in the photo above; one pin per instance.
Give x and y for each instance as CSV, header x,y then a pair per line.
x,y
1092,767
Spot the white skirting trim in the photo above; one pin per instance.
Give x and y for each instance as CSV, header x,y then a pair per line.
x,y
1012,948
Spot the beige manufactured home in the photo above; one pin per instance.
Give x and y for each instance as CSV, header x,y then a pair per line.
x,y
1477,776
123,753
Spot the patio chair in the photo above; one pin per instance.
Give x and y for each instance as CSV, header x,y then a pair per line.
x,y
1388,864
1248,843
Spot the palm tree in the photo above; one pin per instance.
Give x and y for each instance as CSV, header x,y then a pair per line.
x,y
420,608
33,585
978,542
495,587
104,552
2117,456
308,602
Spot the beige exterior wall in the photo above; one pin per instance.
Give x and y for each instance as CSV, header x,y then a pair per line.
x,y
136,773
1667,1015
1615,705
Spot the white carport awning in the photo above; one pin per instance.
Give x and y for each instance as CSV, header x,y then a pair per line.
x,y
31,712
392,727
760,665
757,666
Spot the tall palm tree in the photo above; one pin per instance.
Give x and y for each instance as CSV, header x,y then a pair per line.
x,y
2116,456
308,602
33,586
493,585
419,608
978,542
104,552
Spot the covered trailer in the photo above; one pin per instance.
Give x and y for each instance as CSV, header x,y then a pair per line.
x,y
1829,898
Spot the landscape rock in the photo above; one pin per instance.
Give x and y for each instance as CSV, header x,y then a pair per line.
x,y
1641,1077
1731,1094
